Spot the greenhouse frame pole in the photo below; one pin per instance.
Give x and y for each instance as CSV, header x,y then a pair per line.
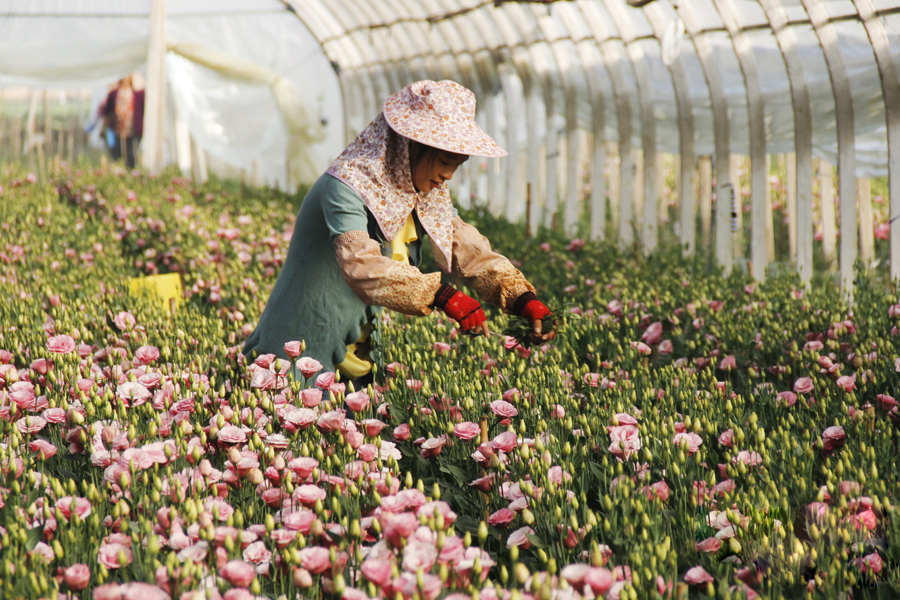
x,y
843,108
724,189
787,43
650,233
687,200
154,116
756,121
890,94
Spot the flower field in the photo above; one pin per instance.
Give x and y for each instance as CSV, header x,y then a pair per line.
x,y
686,435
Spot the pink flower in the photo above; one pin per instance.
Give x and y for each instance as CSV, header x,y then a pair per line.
x,y
401,433
665,347
293,350
697,575
325,380
803,385
311,397
642,348
441,348
232,435
238,573
303,466
501,518
69,506
61,344
834,437
692,440
124,320
43,448
132,393
109,555
30,425
592,379
357,401
751,459
710,545
300,418
659,489
504,409
432,446
400,527
519,537
726,437
77,576
728,363
787,398
414,385
257,553
377,571
467,430
146,355
625,441
846,383
263,379
600,580
307,494
505,441
331,421
653,334
309,367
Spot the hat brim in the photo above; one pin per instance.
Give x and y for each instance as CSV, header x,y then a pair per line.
x,y
462,138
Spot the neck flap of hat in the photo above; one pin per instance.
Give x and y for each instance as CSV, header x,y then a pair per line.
x,y
376,166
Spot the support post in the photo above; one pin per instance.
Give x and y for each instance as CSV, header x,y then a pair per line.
x,y
706,200
155,95
866,220
826,193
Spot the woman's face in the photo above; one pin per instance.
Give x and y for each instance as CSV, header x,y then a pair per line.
x,y
431,167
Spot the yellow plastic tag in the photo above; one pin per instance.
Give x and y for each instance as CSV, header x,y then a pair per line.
x,y
167,288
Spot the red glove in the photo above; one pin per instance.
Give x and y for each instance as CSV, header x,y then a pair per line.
x,y
461,308
530,307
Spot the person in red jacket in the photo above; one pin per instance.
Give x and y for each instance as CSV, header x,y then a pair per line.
x,y
124,114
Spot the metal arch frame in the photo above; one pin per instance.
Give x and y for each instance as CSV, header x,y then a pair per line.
x,y
640,68
756,121
890,94
685,111
846,134
610,52
567,76
721,130
800,103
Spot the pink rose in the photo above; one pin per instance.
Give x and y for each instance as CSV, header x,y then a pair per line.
x,y
504,409
109,555
710,545
238,573
467,430
372,427
293,350
519,537
300,418
659,489
804,385
697,575
61,344
751,459
77,576
367,452
787,398
257,553
70,505
30,425
309,367
728,363
399,527
232,435
357,401
441,348
414,385
665,347
592,379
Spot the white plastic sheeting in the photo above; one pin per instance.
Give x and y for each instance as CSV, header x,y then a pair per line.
x,y
234,117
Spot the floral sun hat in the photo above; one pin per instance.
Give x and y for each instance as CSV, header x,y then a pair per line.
x,y
442,115
376,164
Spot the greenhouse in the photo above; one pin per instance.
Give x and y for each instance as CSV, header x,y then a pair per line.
x,y
702,192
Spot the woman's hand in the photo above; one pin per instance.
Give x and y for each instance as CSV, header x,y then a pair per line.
x,y
463,309
530,307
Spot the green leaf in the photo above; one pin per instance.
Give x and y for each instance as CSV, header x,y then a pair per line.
x,y
535,540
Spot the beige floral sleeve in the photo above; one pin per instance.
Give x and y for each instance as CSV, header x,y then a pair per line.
x,y
491,275
381,281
